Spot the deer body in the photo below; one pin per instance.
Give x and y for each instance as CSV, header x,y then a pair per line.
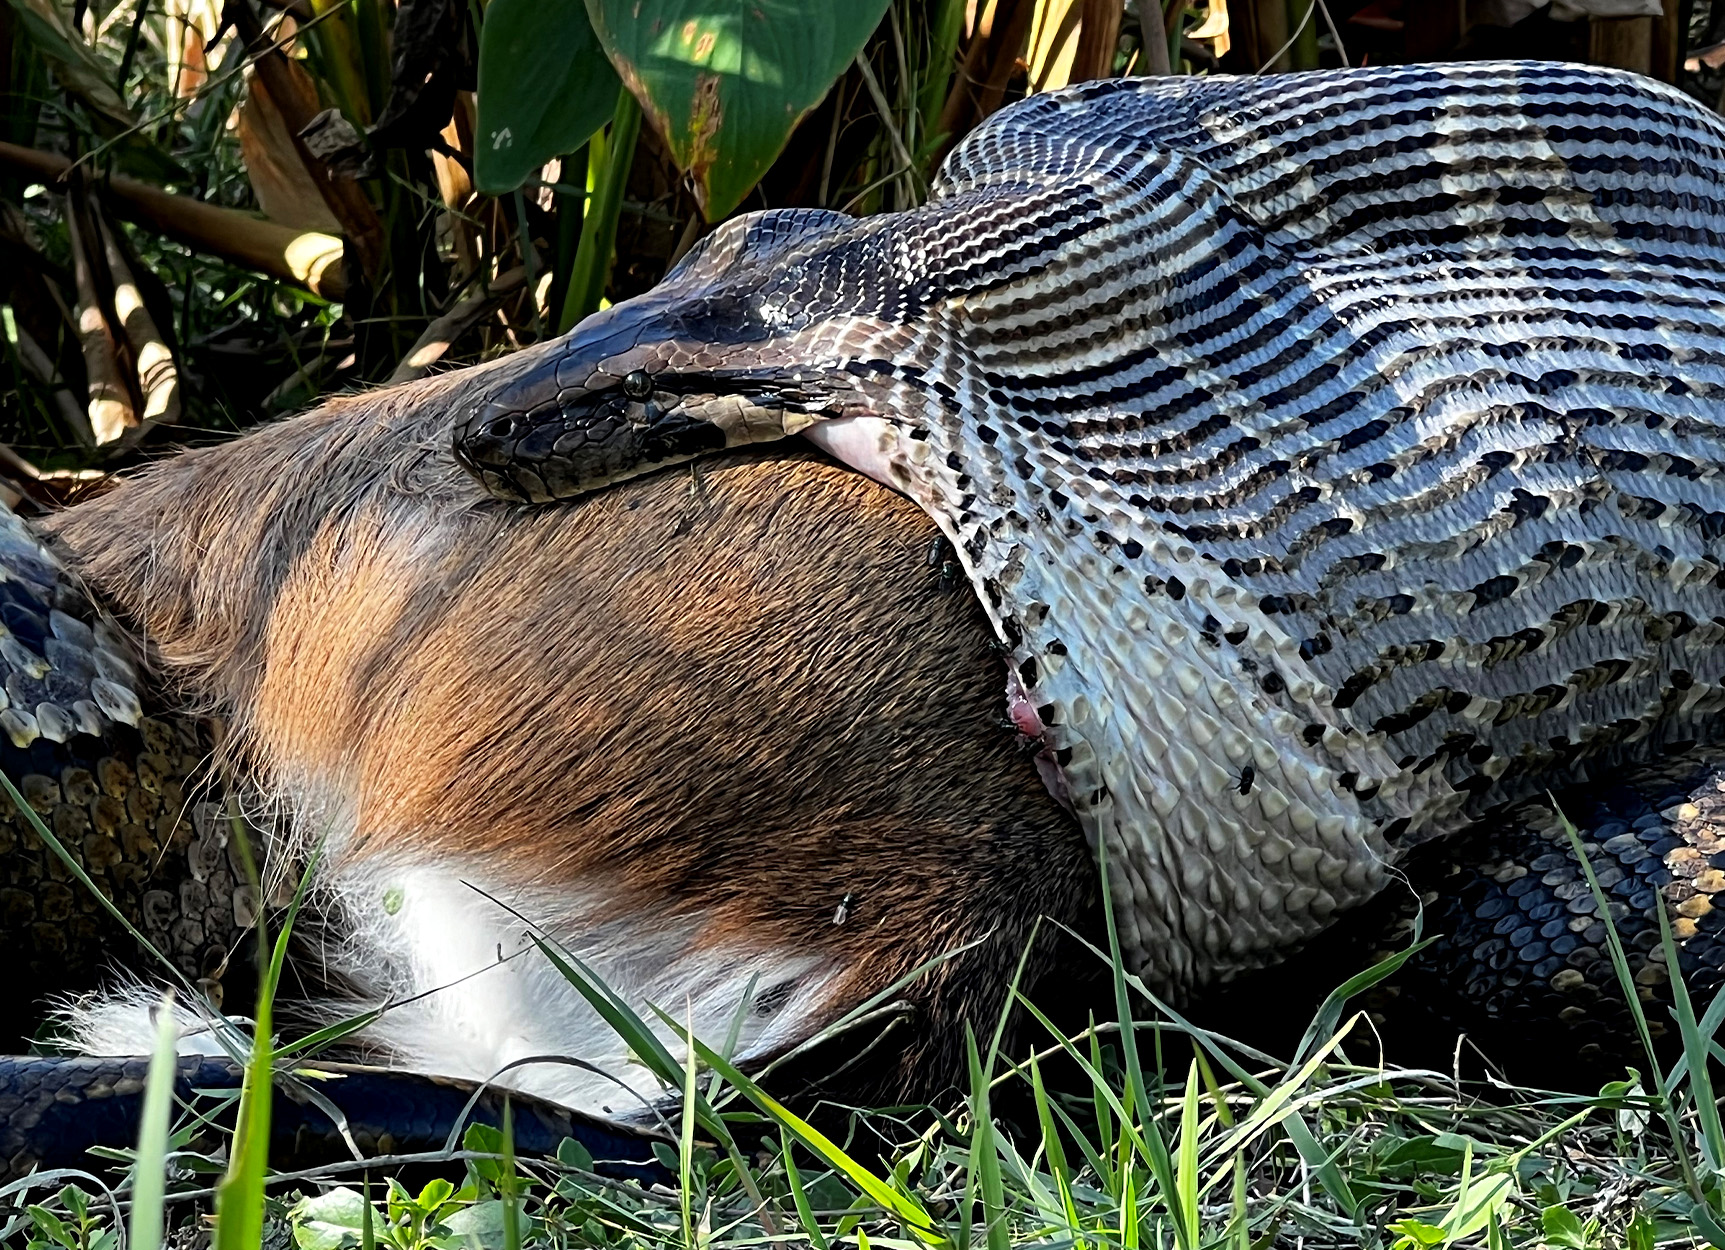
x,y
631,723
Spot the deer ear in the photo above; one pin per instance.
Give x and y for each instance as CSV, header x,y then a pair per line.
x,y
753,237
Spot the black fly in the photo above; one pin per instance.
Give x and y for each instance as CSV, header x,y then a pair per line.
x,y
1248,775
941,556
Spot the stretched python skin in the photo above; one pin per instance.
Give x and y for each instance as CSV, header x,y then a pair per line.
x,y
122,783
1338,455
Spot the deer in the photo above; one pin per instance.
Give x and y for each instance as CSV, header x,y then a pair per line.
x,y
587,726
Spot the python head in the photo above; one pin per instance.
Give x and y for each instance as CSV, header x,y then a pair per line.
x,y
755,336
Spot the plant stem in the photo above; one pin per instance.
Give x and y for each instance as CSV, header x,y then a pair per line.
x,y
609,156
1305,49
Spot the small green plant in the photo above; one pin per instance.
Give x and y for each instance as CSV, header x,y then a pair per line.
x,y
78,1225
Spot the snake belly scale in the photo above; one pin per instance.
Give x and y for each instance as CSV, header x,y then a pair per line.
x,y
1360,430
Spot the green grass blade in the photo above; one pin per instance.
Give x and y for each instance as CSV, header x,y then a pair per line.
x,y
1109,1107
308,1046
1322,1163
745,1003
1614,946
1154,1147
1216,1045
1694,1048
149,1172
984,1157
1186,1169
1091,1154
1224,1116
909,1209
1329,1015
1130,1237
1240,1216
240,1195
1051,1142
799,1197
610,155
1030,1181
686,1142
1277,1105
1055,1148
511,1186
1709,1029
640,1039
1100,1098
1703,1214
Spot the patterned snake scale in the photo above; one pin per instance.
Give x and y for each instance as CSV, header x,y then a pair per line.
x,y
122,781
1339,456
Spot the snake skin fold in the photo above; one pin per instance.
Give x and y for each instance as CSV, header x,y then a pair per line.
x,y
1338,455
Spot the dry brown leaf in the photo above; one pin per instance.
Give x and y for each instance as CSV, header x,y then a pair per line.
x,y
1214,27
1053,43
359,219
192,70
453,184
284,190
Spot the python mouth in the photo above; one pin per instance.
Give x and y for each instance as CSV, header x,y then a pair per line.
x,y
480,456
546,457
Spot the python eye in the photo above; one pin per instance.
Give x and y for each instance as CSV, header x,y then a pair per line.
x,y
637,385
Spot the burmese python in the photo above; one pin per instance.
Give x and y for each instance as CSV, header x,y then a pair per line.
x,y
1337,455
53,1110
126,788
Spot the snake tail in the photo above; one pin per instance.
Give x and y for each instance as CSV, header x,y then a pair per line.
x,y
53,1111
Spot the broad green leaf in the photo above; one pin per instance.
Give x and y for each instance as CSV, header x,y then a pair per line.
x,y
1478,1204
1411,1233
328,1221
1563,1228
726,81
1412,1157
1640,1233
481,1224
544,88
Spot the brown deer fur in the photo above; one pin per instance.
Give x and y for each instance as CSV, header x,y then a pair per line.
x,y
739,697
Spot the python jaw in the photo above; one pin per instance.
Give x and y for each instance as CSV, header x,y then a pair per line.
x,y
580,414
588,440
